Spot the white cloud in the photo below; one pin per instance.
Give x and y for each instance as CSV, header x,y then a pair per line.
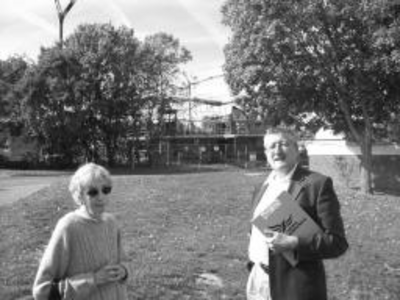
x,y
26,25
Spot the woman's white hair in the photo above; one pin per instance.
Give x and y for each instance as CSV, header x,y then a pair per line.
x,y
86,176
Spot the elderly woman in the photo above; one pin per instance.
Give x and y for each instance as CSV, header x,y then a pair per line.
x,y
84,258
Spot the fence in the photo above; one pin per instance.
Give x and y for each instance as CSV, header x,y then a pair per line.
x,y
169,153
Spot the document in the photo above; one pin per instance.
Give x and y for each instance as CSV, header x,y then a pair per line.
x,y
284,215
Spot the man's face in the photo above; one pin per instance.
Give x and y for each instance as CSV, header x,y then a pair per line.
x,y
281,152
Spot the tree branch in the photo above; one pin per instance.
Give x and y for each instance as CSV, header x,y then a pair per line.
x,y
58,7
69,6
342,93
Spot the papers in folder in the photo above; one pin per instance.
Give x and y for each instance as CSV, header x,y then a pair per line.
x,y
284,215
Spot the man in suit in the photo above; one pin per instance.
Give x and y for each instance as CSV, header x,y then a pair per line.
x,y
271,275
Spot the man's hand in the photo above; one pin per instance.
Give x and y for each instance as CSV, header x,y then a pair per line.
x,y
109,273
280,242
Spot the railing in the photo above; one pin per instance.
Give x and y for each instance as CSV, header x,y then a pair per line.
x,y
212,128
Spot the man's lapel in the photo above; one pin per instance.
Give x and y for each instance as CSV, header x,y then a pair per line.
x,y
258,197
295,188
296,183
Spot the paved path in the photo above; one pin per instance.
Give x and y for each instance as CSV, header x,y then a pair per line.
x,y
14,186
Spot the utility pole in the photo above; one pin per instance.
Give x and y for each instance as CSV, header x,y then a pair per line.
x,y
190,106
189,96
62,13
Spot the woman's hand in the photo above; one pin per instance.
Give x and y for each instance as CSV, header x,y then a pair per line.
x,y
109,273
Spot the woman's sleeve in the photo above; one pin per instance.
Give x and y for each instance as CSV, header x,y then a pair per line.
x,y
124,259
54,265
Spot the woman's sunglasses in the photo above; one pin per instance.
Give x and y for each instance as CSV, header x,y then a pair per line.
x,y
93,192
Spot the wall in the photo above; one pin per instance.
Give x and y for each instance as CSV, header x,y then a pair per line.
x,y
341,161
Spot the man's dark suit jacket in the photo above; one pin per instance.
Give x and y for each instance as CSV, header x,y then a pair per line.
x,y
315,194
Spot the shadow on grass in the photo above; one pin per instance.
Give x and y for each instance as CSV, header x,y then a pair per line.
x,y
390,192
34,173
164,170
379,191
42,175
139,170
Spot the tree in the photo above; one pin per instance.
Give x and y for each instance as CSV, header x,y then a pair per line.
x,y
12,72
110,58
85,95
49,104
88,98
161,57
337,59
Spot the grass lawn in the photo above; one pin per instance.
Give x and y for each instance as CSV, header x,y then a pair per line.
x,y
187,235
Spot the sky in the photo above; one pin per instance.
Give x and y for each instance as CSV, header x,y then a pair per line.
x,y
26,25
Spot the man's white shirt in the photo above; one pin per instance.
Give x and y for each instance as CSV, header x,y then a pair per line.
x,y
258,246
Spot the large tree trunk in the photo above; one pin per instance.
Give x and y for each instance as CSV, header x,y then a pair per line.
x,y
366,165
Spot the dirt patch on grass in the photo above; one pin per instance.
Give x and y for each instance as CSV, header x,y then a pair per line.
x,y
18,184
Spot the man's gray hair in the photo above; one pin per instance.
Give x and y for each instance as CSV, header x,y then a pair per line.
x,y
289,134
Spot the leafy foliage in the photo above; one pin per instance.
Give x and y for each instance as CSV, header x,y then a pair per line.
x,y
338,60
88,99
12,71
161,56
